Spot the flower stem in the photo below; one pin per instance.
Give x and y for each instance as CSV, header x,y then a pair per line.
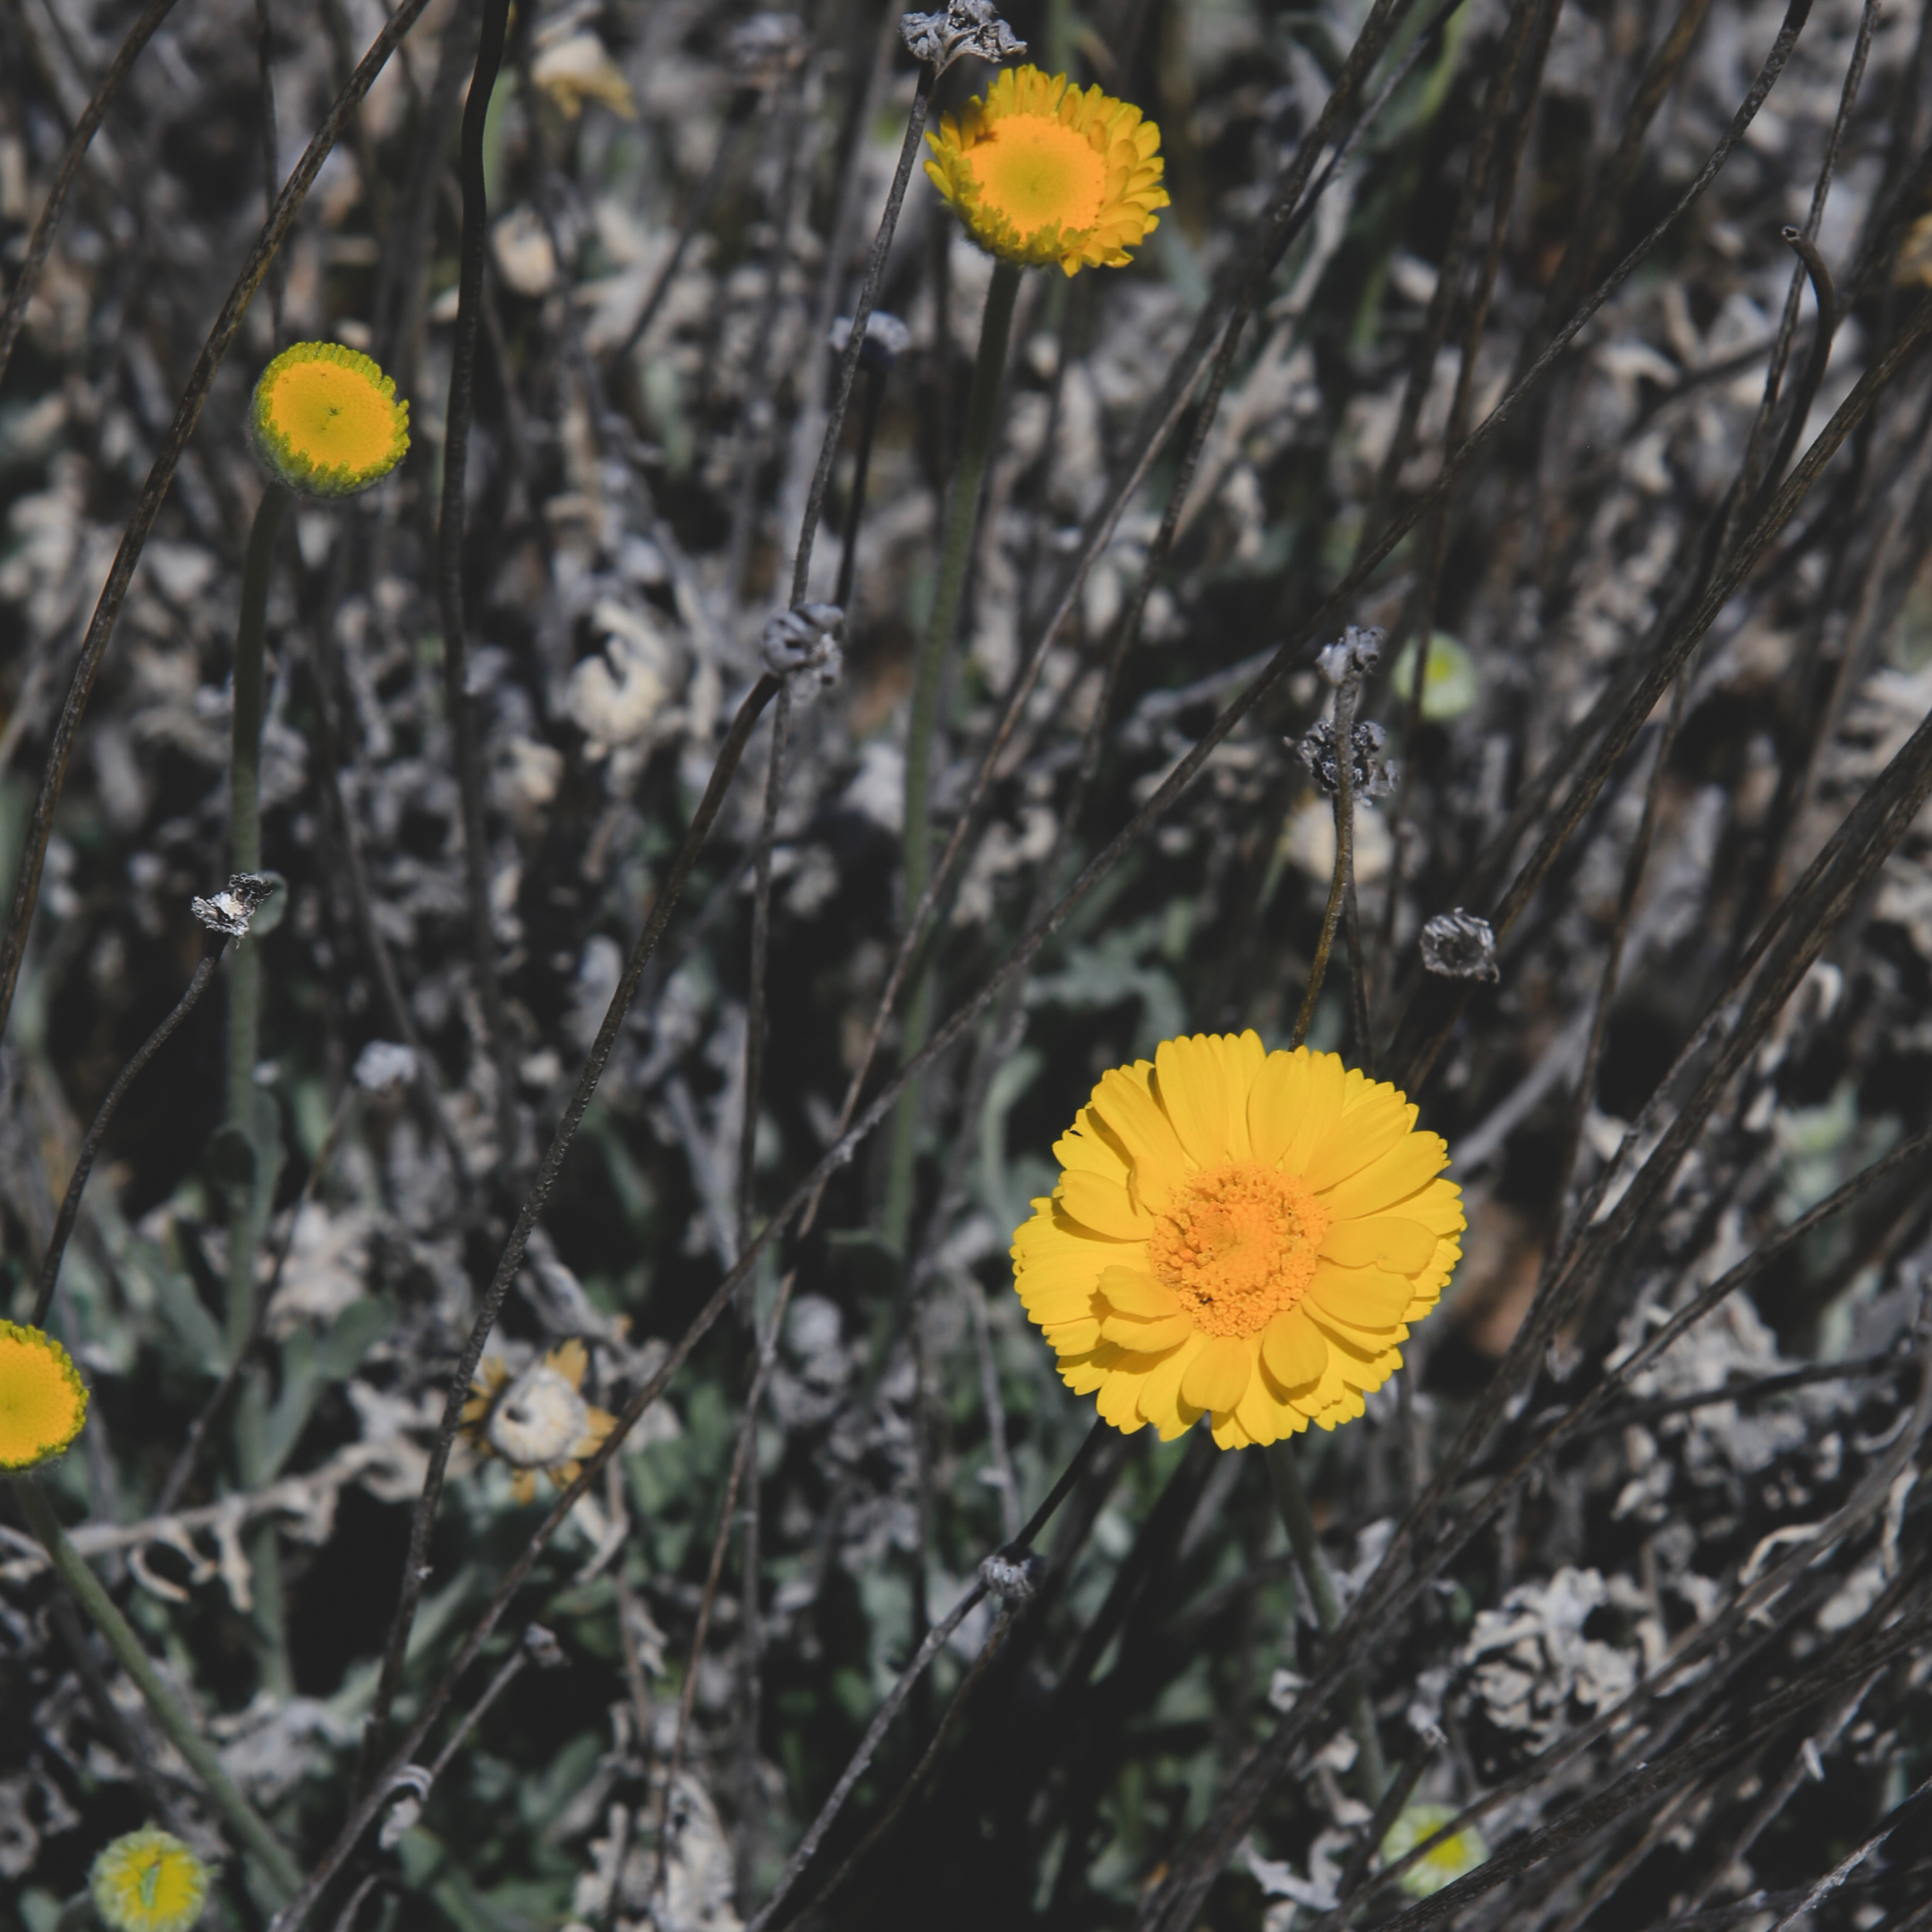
x,y
1342,884
246,1199
1371,1772
244,1823
962,517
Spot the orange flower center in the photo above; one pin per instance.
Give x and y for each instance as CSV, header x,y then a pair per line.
x,y
1238,1246
1036,171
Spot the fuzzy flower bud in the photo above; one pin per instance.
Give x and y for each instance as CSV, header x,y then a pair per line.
x,y
230,912
1370,775
805,640
1458,945
964,26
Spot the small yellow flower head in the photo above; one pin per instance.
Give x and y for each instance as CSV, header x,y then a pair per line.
x,y
1460,1853
1238,1234
1042,172
326,421
148,1881
537,1422
43,1400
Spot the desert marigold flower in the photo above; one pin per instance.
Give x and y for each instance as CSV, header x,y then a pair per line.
x,y
1040,172
537,1422
1239,1234
43,1401
326,420
148,1881
1461,1852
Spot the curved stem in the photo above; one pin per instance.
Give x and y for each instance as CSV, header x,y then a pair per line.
x,y
449,570
77,1181
962,519
247,1204
1372,1773
244,1823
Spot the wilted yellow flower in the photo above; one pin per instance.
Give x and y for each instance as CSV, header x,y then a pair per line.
x,y
326,420
538,1421
148,1881
1240,1234
1042,172
43,1401
1461,1852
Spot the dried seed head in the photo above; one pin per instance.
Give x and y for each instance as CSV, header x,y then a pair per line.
x,y
1370,775
1358,650
805,642
887,339
1458,945
964,26
232,908
1012,1574
766,49
542,1648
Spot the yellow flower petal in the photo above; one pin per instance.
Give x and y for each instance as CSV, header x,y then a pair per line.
x,y
1293,1350
1368,1296
1370,1127
1134,1292
1388,1241
1194,1095
1407,1168
1217,1378
1321,1114
1104,1206
1277,1102
1154,1337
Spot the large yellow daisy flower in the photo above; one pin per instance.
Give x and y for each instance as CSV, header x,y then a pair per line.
x,y
1042,172
326,420
1240,1234
43,1400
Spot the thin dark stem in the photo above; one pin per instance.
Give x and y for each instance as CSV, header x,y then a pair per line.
x,y
855,501
449,570
1345,696
695,214
271,158
755,996
40,242
861,314
50,1274
416,1573
106,614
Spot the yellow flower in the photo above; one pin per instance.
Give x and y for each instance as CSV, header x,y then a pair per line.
x,y
1042,172
325,420
43,1400
1461,1852
148,1881
538,1420
1240,1234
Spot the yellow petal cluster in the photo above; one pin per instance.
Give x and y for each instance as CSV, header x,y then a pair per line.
x,y
537,1422
1040,172
148,1881
1238,1234
326,420
43,1400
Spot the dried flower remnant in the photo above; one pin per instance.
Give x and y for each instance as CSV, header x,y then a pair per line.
x,y
231,911
326,421
1458,945
1239,1234
1370,775
148,1881
1461,1852
537,1422
572,65
1040,172
43,1401
964,26
805,642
